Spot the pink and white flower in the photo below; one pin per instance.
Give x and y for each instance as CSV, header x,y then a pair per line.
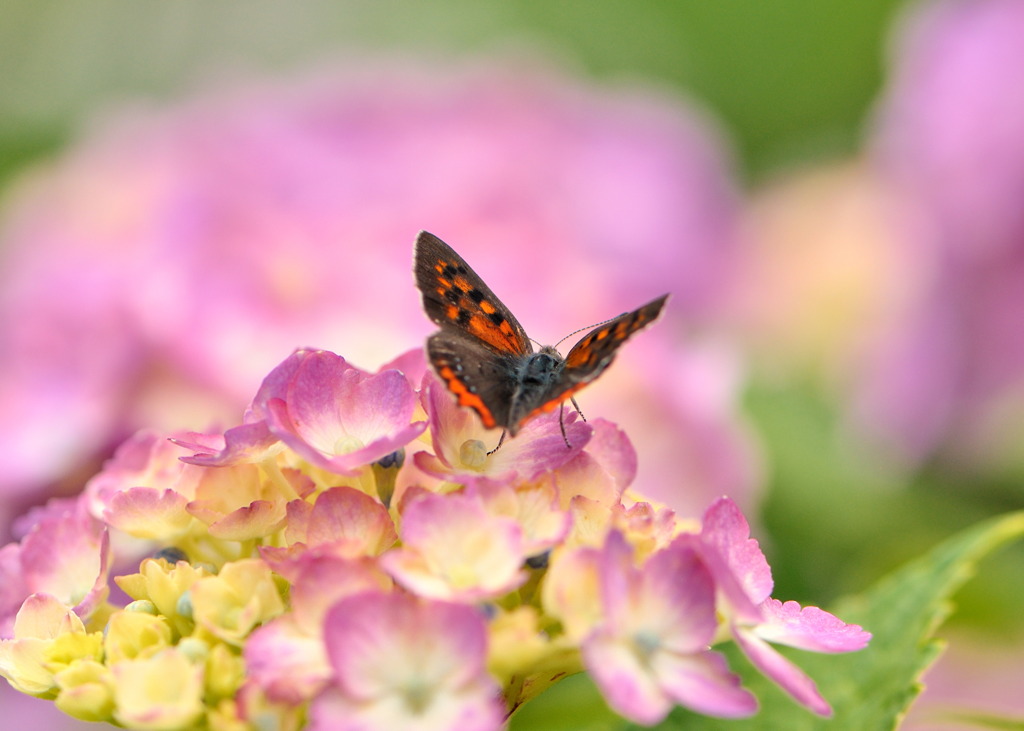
x,y
65,556
454,549
339,417
286,657
745,583
402,662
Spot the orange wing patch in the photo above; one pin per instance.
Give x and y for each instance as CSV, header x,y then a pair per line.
x,y
466,397
607,339
499,335
469,309
584,353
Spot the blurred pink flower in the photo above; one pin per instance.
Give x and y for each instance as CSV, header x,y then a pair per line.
x,y
156,272
950,373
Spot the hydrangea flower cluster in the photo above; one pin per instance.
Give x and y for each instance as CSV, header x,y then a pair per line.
x,y
352,556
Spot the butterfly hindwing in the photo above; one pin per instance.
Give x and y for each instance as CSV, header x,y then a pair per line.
x,y
477,376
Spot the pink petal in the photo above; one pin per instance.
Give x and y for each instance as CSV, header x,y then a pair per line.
x,y
535,507
347,516
275,385
624,681
702,682
612,449
809,628
540,447
330,403
618,577
403,663
412,364
784,673
145,512
369,635
453,549
288,663
740,569
677,592
245,443
323,580
327,393
13,587
146,459
258,519
65,557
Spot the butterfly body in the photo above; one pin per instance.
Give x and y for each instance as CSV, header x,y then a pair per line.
x,y
483,354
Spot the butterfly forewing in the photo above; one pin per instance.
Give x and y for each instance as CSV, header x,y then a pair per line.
x,y
454,296
596,350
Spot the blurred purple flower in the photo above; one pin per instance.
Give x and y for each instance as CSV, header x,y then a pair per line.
x,y
950,138
167,261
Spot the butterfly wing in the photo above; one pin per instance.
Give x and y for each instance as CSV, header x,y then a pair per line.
x,y
478,377
591,356
455,297
480,339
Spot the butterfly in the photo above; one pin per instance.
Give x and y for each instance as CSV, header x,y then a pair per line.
x,y
483,354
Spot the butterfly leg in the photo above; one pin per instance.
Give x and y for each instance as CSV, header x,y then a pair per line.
x,y
501,441
561,424
577,407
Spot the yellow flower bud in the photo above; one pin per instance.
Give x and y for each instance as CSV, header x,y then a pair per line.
x,y
133,635
86,691
225,671
47,637
237,600
163,584
163,692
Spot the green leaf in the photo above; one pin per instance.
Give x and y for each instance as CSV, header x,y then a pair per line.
x,y
871,689
574,704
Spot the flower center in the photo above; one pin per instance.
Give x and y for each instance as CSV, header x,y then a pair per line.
x,y
645,644
473,454
417,695
347,444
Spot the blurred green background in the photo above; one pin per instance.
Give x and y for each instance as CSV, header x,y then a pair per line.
x,y
789,80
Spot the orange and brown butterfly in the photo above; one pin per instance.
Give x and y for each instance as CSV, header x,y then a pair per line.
x,y
483,354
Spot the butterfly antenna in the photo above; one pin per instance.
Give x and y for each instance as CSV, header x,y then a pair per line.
x,y
588,327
